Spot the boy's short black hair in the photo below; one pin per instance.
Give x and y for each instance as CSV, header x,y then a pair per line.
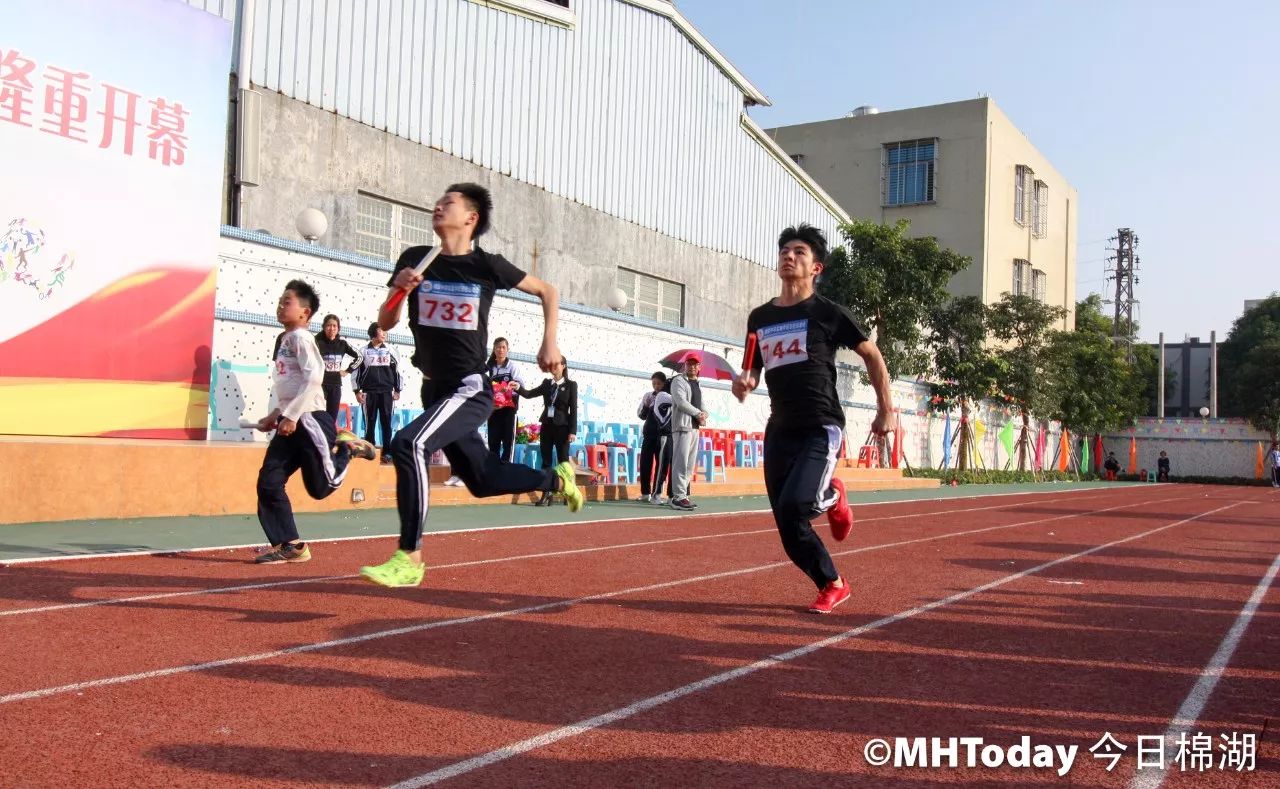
x,y
373,329
808,234
332,317
305,293
480,201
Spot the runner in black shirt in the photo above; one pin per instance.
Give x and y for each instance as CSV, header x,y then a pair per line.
x,y
797,336
449,317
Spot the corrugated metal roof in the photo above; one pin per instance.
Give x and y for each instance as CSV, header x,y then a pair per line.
x,y
628,111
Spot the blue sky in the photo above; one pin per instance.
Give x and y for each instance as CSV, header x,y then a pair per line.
x,y
1164,117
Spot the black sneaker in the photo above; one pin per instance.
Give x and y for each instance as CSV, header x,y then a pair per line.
x,y
682,504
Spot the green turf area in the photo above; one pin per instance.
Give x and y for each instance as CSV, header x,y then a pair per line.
x,y
81,538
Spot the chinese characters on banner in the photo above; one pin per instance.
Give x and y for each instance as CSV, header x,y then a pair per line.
x,y
113,131
66,97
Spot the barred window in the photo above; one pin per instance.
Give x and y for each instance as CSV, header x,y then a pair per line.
x,y
910,174
385,229
1040,210
1021,278
649,297
1021,186
1039,285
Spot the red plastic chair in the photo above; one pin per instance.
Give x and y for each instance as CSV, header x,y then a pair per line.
x,y
598,459
344,417
720,443
867,457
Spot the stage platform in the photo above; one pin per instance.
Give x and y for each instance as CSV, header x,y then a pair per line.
x,y
57,479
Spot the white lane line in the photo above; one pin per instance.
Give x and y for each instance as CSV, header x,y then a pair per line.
x,y
497,560
1187,715
643,705
400,631
659,514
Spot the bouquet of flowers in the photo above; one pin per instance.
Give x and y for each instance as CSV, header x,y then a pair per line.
x,y
527,432
504,394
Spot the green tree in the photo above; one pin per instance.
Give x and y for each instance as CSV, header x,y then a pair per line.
x,y
1024,325
893,283
1094,389
1145,363
965,368
1249,364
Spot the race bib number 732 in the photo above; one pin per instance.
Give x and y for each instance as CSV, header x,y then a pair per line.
x,y
449,305
784,343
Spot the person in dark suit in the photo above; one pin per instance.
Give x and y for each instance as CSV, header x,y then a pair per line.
x,y
559,418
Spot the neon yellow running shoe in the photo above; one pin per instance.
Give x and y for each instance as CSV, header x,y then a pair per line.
x,y
572,494
358,446
399,570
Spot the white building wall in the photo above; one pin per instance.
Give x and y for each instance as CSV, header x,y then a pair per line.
x,y
610,357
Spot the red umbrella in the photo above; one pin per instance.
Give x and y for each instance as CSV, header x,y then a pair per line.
x,y
713,366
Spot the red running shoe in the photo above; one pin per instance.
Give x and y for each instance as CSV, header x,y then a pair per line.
x,y
840,516
830,597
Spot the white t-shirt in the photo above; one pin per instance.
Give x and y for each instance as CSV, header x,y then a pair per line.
x,y
298,374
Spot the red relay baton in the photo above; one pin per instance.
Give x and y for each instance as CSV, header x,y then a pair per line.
x,y
750,352
394,299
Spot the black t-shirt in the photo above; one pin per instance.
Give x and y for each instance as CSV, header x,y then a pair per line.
x,y
796,346
449,313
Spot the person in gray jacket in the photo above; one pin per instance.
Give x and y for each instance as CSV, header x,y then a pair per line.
x,y
686,417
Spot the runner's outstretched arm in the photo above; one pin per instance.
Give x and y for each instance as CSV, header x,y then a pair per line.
x,y
549,353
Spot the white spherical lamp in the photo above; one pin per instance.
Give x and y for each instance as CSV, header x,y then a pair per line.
x,y
617,299
1204,410
311,224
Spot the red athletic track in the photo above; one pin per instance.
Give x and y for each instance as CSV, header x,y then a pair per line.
x,y
1111,641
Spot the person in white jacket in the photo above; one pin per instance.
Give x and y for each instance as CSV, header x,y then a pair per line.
x,y
306,438
687,416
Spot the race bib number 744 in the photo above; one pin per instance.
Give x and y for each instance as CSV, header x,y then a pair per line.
x,y
449,305
784,343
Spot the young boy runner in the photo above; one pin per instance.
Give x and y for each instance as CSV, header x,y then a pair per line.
x,y
377,384
449,316
797,336
306,438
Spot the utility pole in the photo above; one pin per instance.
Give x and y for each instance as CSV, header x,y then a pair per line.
x,y
1121,267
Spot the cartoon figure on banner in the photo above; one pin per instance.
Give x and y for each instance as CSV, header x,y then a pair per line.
x,y
21,257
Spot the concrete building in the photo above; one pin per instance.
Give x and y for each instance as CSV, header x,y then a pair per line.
x,y
613,136
1188,367
962,173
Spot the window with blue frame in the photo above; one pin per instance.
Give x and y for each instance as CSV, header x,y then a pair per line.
x,y
909,172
